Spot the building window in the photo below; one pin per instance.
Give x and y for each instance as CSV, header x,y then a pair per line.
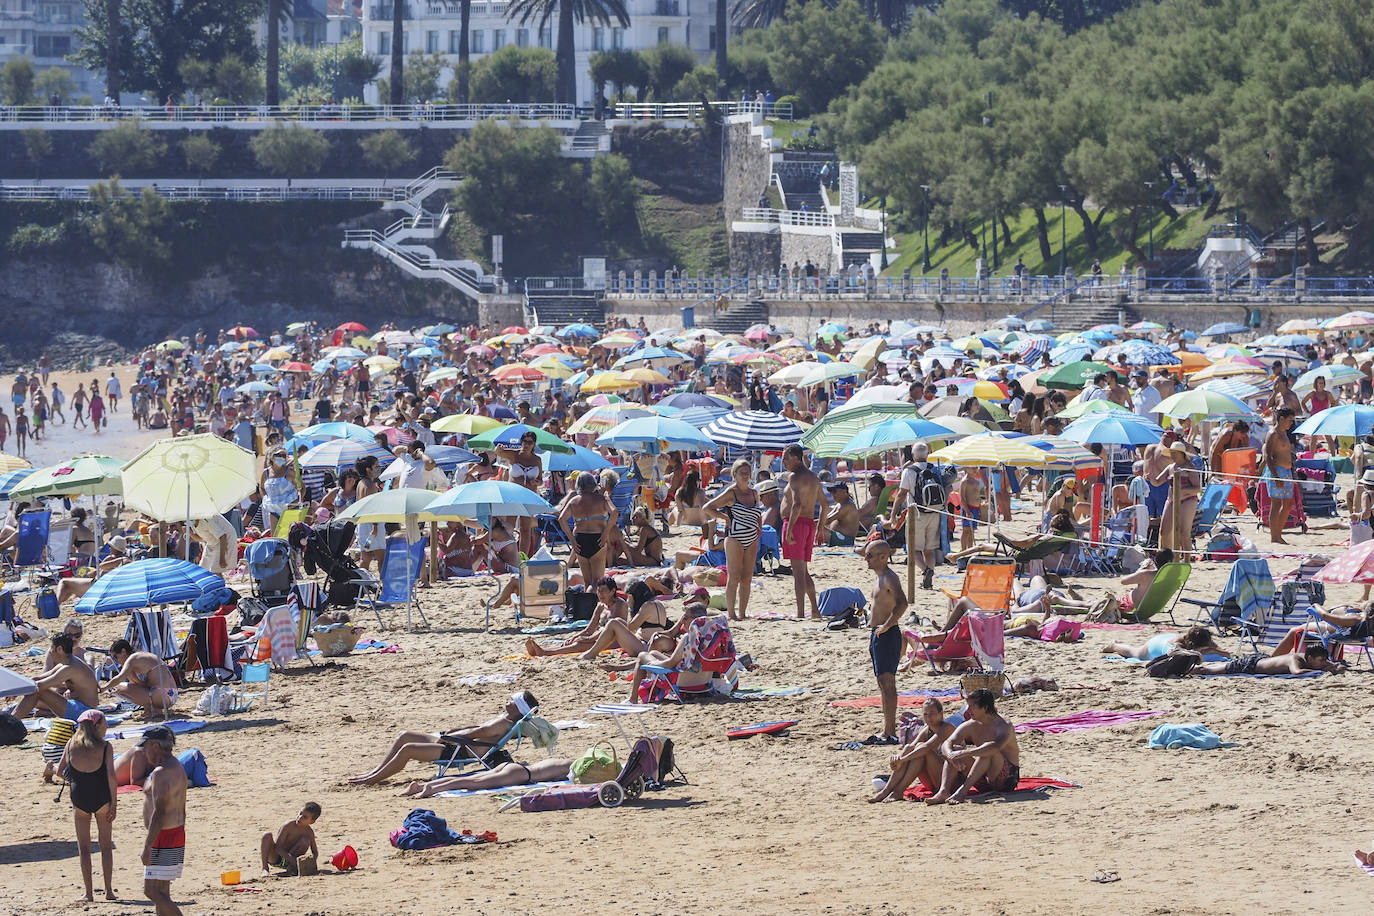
x,y
432,42
453,36
598,39
522,38
617,38
475,42
498,39
711,38
383,42
546,38
663,34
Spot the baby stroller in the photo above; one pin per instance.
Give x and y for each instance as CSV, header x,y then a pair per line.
x,y
272,571
324,548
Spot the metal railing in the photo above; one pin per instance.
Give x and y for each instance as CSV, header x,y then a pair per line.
x,y
210,192
465,280
317,115
559,286
786,217
653,111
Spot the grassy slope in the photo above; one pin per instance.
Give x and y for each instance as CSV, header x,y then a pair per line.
x,y
692,235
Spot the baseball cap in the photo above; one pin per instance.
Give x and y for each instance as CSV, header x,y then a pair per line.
x,y
158,734
698,594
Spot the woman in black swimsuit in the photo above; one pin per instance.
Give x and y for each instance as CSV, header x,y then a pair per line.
x,y
88,765
586,519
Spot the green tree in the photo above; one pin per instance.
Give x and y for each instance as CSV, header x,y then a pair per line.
x,y
619,68
272,65
511,176
16,81
818,52
388,151
155,36
201,153
127,148
515,74
700,83
291,151
603,12
230,78
55,81
129,230
614,191
667,65
37,147
747,68
421,80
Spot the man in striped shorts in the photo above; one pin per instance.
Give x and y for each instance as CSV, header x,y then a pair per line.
x,y
164,813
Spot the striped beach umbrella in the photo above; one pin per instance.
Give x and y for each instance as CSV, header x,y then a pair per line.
x,y
142,583
987,450
337,454
756,430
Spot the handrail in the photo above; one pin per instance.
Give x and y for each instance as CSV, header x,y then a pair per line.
x,y
681,111
194,192
318,115
786,217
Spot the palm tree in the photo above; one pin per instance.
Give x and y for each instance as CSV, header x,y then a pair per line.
x,y
603,12
464,19
273,65
722,60
398,87
757,14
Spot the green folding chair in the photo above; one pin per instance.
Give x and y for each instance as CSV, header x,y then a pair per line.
x,y
1164,592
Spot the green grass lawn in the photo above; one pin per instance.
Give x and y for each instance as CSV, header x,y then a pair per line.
x,y
1187,231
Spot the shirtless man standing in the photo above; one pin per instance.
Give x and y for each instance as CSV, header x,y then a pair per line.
x,y
885,637
143,680
164,814
1118,393
1156,461
982,753
798,510
1278,463
67,689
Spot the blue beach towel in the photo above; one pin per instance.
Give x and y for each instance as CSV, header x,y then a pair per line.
x,y
1188,734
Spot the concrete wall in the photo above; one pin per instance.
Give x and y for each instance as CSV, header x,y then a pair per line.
x,y
748,168
800,243
754,253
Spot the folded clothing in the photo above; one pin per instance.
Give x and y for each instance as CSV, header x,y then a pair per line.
x,y
423,829
918,792
1188,734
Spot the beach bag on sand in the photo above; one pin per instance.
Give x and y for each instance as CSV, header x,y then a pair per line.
x,y
1174,664
12,730
561,798
581,603
667,760
599,764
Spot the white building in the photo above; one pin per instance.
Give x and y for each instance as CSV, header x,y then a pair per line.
x,y
45,31
432,26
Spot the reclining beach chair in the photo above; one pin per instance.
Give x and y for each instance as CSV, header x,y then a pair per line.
x,y
31,544
395,588
709,663
1246,601
1163,593
975,644
479,754
1209,507
988,581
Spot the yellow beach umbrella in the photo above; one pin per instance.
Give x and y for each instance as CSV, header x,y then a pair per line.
x,y
465,424
12,463
608,381
381,363
277,353
552,366
189,477
865,355
645,376
989,450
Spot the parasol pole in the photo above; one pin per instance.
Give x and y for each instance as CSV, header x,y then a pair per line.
x,y
188,518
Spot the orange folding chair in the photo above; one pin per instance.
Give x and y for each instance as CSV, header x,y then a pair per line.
x,y
988,581
1238,465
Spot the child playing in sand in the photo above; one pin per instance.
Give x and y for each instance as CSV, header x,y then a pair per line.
x,y
293,840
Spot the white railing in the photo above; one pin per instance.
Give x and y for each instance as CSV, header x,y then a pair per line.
x,y
319,115
209,192
678,111
786,217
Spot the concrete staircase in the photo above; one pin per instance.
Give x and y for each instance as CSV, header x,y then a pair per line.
x,y
738,318
1081,314
591,136
565,308
855,247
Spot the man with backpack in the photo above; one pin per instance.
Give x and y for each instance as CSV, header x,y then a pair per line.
x,y
922,491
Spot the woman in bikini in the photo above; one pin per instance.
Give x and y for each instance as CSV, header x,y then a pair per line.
x,y
1176,526
345,494
507,774
648,550
527,470
741,508
586,518
689,505
88,766
1319,399
83,539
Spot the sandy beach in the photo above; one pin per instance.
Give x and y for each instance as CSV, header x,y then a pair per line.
x,y
765,825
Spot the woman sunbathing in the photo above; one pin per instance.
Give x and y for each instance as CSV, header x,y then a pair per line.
x,y
1193,639
1350,624
506,775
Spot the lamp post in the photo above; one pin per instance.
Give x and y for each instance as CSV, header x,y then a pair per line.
x,y
1150,217
882,205
995,259
1063,190
925,228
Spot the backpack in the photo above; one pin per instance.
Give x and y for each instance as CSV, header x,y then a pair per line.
x,y
581,603
12,730
930,495
667,760
46,602
1175,664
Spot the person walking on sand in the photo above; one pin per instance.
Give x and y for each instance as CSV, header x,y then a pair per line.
x,y
4,429
58,399
885,636
113,391
21,432
97,411
799,501
79,406
87,765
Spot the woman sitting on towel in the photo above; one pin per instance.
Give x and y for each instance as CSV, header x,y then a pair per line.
x,y
506,775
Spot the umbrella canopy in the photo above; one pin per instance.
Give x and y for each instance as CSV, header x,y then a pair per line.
x,y
1060,453
517,374
989,450
1222,329
1355,565
878,394
10,479
579,459
483,499
323,432
13,463
868,351
1011,321
756,430
577,330
951,406
337,454
1299,326
1204,402
791,375
14,684
161,580
171,345
829,372
509,437
396,505
1351,320
1242,389
829,437
608,381
653,357
1228,368
465,424
1075,375
88,475
701,416
1083,408
1335,375
297,327
893,434
600,419
1114,428
441,374
1342,420
381,363
352,327
653,434
189,477
1138,353
1040,325
646,376
255,388
683,400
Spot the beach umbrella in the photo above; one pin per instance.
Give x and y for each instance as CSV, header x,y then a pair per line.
x,y
14,684
1228,368
141,583
1113,428
86,475
976,344
1204,402
600,419
654,434
552,367
396,338
962,426
296,366
868,351
352,327
425,352
509,437
255,388
1291,340
579,459
465,424
1060,453
439,330
1083,408
481,351
1299,326
1240,388
170,344
683,400
394,435
277,353
829,437
242,330
576,330
1075,350
441,374
1147,326
381,363
1099,334
989,450
755,430
189,477
1352,566
296,328
1010,321
1353,420
791,375
1335,375
1138,353
1351,320
950,406
396,505
350,353
337,454
1224,328
322,432
701,416
652,357
646,376
517,374
1040,325
13,463
893,434
878,394
608,381
829,372
1226,350
1074,375
10,479
1032,346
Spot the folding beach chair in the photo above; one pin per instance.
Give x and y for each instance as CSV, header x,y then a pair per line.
x,y
288,518
255,674
988,581
709,663
770,550
473,753
1209,507
543,587
1163,592
843,606
1316,477
401,566
962,650
1246,601
1239,466
151,631
552,532
31,546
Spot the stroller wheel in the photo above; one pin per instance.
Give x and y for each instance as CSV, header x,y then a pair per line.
x,y
610,794
635,788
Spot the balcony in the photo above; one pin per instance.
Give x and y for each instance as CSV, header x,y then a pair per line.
x,y
382,12
667,8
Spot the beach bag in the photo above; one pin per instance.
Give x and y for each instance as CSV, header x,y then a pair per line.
x,y
581,603
1174,664
667,760
12,730
217,700
561,798
598,764
1061,630
46,602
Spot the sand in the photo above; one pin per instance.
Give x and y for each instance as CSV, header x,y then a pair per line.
x,y
767,825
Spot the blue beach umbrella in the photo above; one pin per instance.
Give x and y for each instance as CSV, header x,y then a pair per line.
x,y
1113,428
161,580
10,479
1354,420
649,434
686,399
337,454
1224,328
893,434
579,459
486,498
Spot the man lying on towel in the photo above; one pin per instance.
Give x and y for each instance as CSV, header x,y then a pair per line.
x,y
473,740
982,753
1313,658
503,776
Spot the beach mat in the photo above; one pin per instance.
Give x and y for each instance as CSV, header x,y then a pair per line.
x,y
178,726
768,693
1266,677
1082,721
505,790
918,792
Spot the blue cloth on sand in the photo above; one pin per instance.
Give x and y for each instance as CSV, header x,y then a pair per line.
x,y
1188,734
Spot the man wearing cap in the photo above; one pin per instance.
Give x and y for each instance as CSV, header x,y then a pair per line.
x,y
164,814
841,523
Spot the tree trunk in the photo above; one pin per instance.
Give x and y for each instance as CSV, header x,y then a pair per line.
x,y
1042,234
273,66
464,63
1006,233
398,79
1089,227
1312,258
722,61
113,27
567,63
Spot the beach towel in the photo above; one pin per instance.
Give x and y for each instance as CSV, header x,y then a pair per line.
x,y
1082,721
151,631
278,631
178,726
213,654
423,829
1188,734
765,693
1368,869
473,793
1300,674
476,680
918,792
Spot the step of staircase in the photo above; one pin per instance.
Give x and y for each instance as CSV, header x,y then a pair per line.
x,y
588,136
861,241
1079,315
738,318
813,201
565,310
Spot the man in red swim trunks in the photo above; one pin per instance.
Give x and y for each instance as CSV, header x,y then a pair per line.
x,y
164,813
981,754
799,504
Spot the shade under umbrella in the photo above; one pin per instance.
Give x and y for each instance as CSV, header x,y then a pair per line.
x,y
161,580
189,477
755,430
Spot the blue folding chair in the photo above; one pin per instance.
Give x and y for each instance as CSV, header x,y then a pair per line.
x,y
552,532
31,547
837,602
1246,602
472,753
1209,507
401,566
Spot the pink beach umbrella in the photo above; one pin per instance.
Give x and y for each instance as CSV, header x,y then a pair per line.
x,y
1354,565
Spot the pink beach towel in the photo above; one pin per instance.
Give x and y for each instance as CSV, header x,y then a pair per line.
x,y
918,792
1368,869
1082,721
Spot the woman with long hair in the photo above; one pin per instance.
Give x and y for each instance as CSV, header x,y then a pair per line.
x,y
741,508
88,766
